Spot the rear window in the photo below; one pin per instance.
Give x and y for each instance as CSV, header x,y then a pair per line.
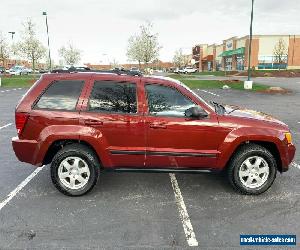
x,y
61,95
111,96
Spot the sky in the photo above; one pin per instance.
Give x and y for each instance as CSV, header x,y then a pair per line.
x,y
101,28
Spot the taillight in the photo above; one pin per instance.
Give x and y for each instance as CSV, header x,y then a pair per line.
x,y
21,119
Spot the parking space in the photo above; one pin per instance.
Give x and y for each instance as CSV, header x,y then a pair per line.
x,y
9,98
140,210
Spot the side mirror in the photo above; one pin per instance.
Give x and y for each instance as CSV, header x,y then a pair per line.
x,y
195,112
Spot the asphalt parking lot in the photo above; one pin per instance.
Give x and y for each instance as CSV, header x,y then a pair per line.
x,y
137,210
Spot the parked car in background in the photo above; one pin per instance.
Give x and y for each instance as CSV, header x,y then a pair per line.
x,y
181,71
171,70
19,70
187,70
42,71
135,70
176,70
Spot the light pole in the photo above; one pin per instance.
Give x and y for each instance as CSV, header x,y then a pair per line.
x,y
12,34
12,41
250,43
248,83
45,14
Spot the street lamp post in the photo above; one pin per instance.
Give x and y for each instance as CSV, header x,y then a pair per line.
x,y
12,41
248,83
250,43
12,34
50,63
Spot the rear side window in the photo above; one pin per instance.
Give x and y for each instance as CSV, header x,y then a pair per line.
x,y
61,95
111,96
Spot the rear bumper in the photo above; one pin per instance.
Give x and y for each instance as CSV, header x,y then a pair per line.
x,y
289,155
26,150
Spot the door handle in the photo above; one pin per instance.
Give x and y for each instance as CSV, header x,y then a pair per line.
x,y
158,125
93,123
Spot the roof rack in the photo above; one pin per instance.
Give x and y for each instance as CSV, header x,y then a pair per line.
x,y
87,69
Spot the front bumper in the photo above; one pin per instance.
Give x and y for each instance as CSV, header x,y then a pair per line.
x,y
26,150
288,157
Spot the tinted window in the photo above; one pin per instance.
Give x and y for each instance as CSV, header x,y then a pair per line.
x,y
61,95
110,96
166,101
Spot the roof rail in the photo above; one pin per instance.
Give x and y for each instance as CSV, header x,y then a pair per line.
x,y
87,69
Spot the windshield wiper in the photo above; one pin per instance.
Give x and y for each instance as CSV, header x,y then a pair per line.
x,y
232,110
219,108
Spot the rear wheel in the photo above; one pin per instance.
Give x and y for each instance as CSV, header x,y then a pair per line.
x,y
75,170
252,169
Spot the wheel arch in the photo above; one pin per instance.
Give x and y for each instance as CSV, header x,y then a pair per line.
x,y
271,146
59,144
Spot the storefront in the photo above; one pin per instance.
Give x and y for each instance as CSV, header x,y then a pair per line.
x,y
240,62
234,59
207,63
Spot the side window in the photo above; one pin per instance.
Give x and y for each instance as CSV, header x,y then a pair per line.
x,y
111,96
61,95
166,101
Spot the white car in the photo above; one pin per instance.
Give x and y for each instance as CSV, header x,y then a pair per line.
x,y
189,70
19,70
181,71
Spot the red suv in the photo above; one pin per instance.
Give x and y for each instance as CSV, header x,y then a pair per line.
x,y
86,122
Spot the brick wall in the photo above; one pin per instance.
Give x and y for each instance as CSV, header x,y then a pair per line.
x,y
254,52
294,52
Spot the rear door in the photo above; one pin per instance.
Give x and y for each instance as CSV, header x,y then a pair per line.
x,y
114,111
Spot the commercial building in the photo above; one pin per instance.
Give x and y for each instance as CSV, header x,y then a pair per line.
x,y
268,52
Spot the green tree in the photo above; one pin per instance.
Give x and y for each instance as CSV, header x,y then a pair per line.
x,y
143,47
30,47
70,54
4,49
280,52
181,60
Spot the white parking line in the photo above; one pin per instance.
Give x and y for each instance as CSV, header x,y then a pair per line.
x,y
13,193
5,126
209,92
184,216
294,164
8,90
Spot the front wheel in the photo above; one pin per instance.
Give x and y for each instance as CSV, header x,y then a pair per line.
x,y
252,170
75,170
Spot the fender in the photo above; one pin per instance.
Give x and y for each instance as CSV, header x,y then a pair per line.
x,y
79,133
245,134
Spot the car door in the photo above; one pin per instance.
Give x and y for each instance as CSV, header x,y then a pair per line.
x,y
114,113
173,140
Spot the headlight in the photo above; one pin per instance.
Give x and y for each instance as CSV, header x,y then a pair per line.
x,y
288,137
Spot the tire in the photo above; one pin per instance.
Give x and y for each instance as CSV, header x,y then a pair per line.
x,y
75,170
252,170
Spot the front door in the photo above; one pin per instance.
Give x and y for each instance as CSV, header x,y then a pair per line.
x,y
173,140
112,112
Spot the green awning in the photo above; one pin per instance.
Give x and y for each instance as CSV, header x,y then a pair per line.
x,y
233,52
